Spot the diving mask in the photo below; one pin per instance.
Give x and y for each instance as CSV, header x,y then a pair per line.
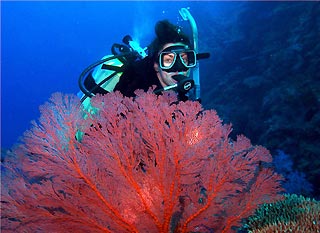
x,y
177,58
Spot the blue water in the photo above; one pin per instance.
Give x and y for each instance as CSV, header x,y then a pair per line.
x,y
46,45
262,76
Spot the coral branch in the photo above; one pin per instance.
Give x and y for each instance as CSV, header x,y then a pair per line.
x,y
143,165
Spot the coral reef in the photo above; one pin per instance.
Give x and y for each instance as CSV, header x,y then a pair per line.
x,y
292,214
143,165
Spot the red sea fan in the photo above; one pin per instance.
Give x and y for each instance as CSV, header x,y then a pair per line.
x,y
145,165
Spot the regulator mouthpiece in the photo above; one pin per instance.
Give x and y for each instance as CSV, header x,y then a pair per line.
x,y
184,83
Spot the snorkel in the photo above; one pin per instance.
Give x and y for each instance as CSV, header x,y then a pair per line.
x,y
185,14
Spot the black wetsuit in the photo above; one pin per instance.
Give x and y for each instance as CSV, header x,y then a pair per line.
x,y
137,75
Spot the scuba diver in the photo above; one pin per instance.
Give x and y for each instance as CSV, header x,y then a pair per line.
x,y
166,64
169,60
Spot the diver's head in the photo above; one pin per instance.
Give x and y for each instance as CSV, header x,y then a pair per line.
x,y
172,54
166,33
173,63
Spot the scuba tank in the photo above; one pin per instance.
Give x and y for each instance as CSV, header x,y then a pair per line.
x,y
102,76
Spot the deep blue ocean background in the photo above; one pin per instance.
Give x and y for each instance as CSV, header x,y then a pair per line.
x,y
263,73
46,45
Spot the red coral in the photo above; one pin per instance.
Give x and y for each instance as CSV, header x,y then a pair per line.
x,y
143,165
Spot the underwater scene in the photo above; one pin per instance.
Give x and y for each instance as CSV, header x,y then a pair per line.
x,y
232,144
